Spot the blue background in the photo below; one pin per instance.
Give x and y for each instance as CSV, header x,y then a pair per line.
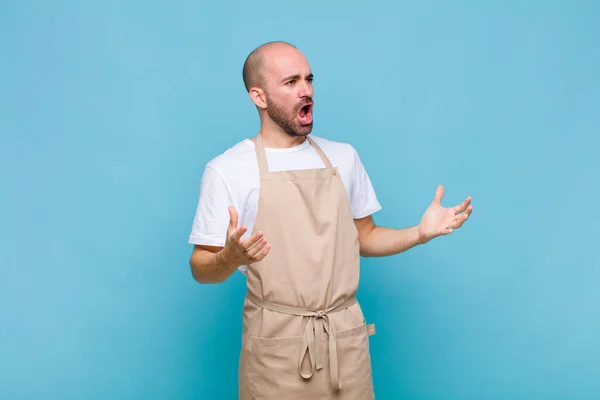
x,y
109,111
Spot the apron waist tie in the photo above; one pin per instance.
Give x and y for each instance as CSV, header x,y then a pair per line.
x,y
312,342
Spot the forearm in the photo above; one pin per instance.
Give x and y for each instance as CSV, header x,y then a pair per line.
x,y
210,267
382,241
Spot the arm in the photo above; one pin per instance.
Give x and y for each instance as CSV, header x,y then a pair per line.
x,y
377,241
208,265
216,255
213,264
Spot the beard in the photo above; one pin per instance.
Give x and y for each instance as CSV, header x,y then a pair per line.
x,y
287,120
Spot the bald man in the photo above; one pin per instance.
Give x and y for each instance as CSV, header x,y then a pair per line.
x,y
293,213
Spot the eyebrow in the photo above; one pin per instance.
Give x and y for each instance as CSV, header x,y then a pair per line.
x,y
296,76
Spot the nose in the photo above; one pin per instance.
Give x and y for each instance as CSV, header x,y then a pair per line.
x,y
306,89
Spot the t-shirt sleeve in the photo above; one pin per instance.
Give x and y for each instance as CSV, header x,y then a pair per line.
x,y
212,216
363,201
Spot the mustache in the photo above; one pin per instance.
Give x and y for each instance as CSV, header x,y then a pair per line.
x,y
306,102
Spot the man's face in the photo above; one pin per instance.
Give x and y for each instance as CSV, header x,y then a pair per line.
x,y
288,89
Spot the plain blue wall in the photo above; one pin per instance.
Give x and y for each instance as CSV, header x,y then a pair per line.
x,y
109,111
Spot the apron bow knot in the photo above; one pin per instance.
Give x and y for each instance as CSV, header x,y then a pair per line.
x,y
312,341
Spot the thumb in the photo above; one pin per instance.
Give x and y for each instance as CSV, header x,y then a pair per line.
x,y
439,194
233,217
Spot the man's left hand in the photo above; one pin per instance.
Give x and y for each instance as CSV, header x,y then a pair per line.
x,y
438,221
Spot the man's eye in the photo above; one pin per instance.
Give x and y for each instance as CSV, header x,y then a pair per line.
x,y
290,82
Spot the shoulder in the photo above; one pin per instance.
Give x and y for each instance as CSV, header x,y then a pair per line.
x,y
343,154
332,144
238,156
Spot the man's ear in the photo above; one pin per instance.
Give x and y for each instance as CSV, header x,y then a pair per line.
x,y
258,97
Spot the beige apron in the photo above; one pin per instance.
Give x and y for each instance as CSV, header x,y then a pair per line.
x,y
304,334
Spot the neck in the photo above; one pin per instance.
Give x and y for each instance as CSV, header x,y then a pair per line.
x,y
275,137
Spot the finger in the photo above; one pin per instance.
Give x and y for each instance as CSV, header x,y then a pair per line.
x,y
238,233
447,231
439,194
458,221
469,211
252,240
262,254
233,217
456,224
463,206
256,248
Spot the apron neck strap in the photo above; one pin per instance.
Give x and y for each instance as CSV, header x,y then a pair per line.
x,y
321,153
263,166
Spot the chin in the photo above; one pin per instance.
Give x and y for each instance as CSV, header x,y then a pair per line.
x,y
305,130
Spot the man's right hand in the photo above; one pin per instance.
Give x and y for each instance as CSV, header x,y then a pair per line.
x,y
238,252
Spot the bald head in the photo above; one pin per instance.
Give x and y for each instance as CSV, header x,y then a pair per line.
x,y
254,67
279,82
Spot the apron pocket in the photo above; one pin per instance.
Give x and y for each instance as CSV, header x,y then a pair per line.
x,y
274,367
355,360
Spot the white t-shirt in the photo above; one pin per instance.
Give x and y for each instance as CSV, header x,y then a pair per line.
x,y
232,178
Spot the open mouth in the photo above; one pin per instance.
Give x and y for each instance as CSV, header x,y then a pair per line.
x,y
305,114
